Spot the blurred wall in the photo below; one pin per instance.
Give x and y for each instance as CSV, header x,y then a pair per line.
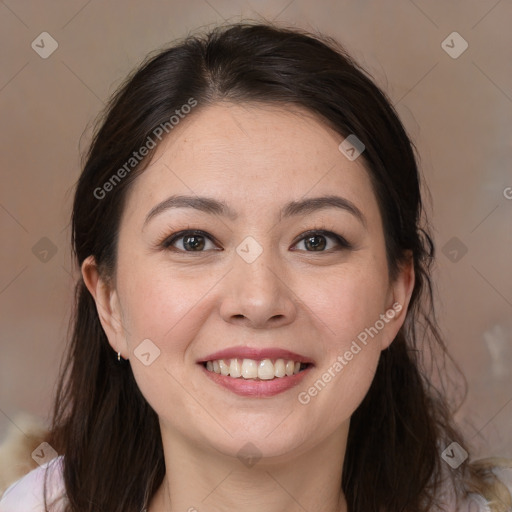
x,y
455,101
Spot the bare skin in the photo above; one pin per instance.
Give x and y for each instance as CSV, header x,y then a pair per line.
x,y
310,299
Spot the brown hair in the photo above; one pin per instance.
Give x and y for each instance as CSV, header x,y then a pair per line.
x,y
102,424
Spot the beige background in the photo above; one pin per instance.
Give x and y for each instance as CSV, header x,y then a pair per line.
x,y
458,112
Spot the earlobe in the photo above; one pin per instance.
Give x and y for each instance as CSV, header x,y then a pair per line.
x,y
106,301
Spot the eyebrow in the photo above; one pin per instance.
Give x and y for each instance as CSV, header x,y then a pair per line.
x,y
220,208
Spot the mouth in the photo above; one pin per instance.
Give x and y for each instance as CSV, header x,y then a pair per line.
x,y
254,369
256,372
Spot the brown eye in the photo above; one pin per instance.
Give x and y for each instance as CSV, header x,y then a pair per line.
x,y
195,242
315,241
190,241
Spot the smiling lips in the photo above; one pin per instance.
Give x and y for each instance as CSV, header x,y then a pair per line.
x,y
255,363
256,372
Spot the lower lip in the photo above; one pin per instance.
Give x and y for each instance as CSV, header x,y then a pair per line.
x,y
257,388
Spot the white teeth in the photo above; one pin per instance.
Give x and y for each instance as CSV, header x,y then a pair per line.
x,y
235,369
249,369
224,368
279,368
266,369
252,369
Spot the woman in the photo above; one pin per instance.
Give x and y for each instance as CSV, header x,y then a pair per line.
x,y
255,276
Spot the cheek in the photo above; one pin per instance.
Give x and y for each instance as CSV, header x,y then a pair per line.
x,y
338,389
170,313
167,310
346,302
347,310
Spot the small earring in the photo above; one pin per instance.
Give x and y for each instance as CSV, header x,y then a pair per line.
x,y
119,356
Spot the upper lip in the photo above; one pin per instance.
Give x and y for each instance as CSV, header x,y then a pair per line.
x,y
256,354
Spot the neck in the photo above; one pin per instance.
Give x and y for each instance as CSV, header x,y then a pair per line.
x,y
198,477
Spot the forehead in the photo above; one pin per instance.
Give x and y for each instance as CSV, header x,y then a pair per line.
x,y
253,155
257,133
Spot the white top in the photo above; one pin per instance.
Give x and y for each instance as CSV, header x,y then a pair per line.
x,y
26,494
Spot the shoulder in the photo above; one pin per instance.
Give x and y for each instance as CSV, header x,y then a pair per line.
x,y
26,494
504,475
501,493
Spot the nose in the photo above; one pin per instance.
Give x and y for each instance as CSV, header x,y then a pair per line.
x,y
258,294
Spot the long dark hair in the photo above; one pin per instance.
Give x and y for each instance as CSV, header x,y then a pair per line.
x,y
107,432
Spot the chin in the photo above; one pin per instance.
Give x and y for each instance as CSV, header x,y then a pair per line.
x,y
257,443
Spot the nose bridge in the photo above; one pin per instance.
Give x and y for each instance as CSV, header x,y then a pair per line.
x,y
259,277
258,289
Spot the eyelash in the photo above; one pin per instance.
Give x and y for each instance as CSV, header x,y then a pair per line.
x,y
167,242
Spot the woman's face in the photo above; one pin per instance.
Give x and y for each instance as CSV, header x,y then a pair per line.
x,y
253,280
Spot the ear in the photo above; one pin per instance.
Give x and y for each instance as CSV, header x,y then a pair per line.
x,y
399,296
107,305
